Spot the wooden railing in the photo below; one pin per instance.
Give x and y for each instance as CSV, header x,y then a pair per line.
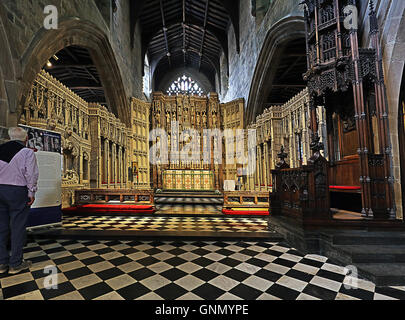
x,y
99,196
246,199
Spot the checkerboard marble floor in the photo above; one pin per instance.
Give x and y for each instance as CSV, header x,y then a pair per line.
x,y
158,223
191,270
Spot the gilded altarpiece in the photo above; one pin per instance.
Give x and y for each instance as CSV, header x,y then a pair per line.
x,y
185,118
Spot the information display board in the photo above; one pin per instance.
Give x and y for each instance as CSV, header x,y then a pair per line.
x,y
47,208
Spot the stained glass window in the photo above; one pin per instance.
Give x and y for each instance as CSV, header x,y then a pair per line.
x,y
185,85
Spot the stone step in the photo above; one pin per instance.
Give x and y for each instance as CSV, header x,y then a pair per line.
x,y
189,201
369,238
373,254
384,274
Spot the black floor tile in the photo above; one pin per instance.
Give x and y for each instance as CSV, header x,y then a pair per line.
x,y
257,262
103,251
171,292
319,292
173,274
17,290
246,292
63,288
109,273
230,262
268,275
296,274
331,275
391,292
237,275
142,274
77,273
152,251
201,252
64,260
310,262
79,250
120,261
92,260
95,291
248,252
208,292
283,292
205,274
147,261
203,262
175,261
284,262
357,293
128,251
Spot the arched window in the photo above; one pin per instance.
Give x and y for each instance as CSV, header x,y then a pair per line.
x,y
185,85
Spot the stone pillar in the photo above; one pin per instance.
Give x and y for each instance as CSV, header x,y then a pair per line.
x,y
113,165
266,166
120,167
107,163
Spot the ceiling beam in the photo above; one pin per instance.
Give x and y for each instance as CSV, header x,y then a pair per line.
x,y
165,32
184,34
207,5
291,67
86,88
220,35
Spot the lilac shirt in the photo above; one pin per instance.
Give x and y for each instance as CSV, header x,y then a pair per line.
x,y
21,171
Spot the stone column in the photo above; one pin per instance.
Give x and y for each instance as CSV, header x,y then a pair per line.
x,y
114,164
107,163
266,166
120,166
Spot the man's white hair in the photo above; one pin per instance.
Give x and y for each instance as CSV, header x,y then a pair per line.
x,y
17,133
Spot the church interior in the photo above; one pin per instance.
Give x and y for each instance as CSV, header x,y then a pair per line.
x,y
212,149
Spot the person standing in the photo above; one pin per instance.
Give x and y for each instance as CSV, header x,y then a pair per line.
x,y
18,184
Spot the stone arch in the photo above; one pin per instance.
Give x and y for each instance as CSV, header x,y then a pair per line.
x,y
76,32
401,135
393,43
288,29
7,80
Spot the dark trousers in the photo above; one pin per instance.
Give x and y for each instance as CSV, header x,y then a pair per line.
x,y
13,223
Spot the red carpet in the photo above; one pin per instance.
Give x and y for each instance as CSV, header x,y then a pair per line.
x,y
97,208
245,212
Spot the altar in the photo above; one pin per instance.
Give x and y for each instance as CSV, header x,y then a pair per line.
x,y
189,180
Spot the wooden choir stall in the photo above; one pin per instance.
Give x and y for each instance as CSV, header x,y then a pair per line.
x,y
348,81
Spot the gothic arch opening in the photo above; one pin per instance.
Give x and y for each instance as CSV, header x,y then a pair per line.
x,y
279,69
401,134
78,33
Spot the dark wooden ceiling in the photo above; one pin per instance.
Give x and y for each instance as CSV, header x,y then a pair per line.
x,y
74,67
185,33
287,78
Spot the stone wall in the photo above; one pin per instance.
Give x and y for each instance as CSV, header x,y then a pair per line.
x,y
23,37
252,37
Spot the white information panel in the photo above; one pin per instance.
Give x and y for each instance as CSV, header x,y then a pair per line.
x,y
47,208
50,180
